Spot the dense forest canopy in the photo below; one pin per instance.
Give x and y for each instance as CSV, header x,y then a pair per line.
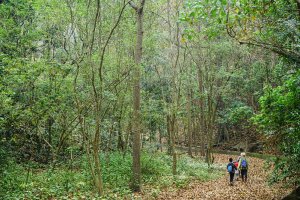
x,y
87,84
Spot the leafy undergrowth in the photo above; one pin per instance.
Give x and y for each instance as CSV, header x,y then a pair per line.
x,y
188,170
256,188
73,180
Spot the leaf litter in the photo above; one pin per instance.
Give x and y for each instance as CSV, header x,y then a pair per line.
x,y
256,187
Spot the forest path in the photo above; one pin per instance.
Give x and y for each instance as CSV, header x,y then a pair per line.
x,y
256,188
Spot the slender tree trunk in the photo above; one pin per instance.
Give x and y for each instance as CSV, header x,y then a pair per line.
x,y
49,124
188,107
160,140
96,155
136,181
201,117
120,135
169,134
172,132
129,132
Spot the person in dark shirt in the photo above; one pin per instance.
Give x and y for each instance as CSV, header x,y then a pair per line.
x,y
231,170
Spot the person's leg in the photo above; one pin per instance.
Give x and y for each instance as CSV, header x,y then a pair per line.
x,y
231,178
234,177
246,175
243,174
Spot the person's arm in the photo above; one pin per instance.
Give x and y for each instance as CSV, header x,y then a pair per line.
x,y
239,165
234,167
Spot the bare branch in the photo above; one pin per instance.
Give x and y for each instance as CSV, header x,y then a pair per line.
x,y
143,3
298,5
293,55
109,37
95,25
133,5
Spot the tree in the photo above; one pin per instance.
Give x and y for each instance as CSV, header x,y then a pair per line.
x,y
139,12
273,25
279,119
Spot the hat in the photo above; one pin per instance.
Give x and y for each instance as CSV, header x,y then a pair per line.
x,y
243,154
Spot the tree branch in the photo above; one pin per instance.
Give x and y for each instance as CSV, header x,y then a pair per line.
x,y
109,37
279,50
133,5
143,3
298,5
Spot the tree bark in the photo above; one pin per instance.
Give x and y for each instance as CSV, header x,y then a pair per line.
x,y
201,117
188,107
136,167
172,133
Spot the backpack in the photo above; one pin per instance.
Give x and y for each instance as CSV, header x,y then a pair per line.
x,y
229,168
244,164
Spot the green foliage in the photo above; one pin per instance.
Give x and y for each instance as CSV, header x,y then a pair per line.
x,y
197,169
29,182
52,90
279,118
17,28
5,155
36,92
154,166
273,25
238,113
73,180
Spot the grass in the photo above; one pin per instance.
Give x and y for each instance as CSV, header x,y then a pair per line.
x,y
66,182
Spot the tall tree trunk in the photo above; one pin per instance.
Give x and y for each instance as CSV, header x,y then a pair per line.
x,y
172,133
201,117
136,181
160,139
49,155
188,107
169,134
120,145
96,153
212,107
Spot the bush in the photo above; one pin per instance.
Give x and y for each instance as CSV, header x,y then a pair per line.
x,y
279,119
74,181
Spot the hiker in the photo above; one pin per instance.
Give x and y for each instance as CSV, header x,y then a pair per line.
x,y
237,172
236,163
243,167
231,170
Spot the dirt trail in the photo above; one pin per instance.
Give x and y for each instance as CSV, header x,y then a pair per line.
x,y
256,188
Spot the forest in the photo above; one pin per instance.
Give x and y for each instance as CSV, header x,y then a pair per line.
x,y
148,99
